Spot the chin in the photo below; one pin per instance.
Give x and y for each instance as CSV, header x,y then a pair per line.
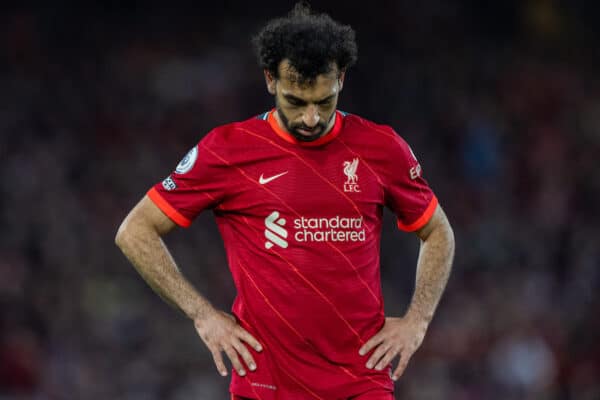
x,y
306,138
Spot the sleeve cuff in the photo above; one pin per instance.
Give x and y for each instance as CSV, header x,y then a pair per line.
x,y
168,209
422,220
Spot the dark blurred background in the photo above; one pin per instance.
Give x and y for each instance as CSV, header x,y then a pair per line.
x,y
499,100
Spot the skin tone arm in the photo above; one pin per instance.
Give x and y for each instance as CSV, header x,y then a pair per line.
x,y
139,237
403,336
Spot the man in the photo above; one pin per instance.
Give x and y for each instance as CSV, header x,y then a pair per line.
x,y
298,194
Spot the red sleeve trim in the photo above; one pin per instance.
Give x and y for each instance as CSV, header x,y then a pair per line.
x,y
168,209
423,219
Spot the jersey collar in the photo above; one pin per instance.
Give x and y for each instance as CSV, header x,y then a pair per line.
x,y
285,135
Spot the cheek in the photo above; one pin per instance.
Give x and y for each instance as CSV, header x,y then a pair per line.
x,y
328,114
292,113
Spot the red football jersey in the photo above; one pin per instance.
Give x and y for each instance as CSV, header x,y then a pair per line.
x,y
301,225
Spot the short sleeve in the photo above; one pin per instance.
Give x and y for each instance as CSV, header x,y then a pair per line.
x,y
198,182
407,193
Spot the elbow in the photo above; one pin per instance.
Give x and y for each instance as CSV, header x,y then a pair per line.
x,y
121,238
132,229
450,233
447,233
142,223
451,241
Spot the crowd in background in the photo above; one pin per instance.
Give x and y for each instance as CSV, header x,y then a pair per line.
x,y
501,106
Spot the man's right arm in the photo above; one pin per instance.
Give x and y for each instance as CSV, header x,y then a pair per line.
x,y
139,238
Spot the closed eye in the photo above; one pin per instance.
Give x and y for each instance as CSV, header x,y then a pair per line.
x,y
295,102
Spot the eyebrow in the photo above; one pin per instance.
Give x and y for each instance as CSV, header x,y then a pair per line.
x,y
302,101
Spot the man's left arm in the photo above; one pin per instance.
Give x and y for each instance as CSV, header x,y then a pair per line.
x,y
403,336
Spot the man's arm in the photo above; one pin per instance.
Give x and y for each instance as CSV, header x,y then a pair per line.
x,y
433,266
403,336
139,237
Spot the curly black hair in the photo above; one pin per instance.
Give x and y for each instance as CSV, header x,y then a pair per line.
x,y
311,42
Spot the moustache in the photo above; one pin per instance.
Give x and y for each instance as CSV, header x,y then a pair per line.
x,y
315,128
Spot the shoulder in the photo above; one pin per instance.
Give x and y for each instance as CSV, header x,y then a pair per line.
x,y
357,122
372,134
234,133
381,146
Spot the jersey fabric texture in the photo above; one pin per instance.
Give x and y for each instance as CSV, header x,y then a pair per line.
x,y
370,395
301,225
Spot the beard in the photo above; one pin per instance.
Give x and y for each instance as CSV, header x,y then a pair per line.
x,y
294,128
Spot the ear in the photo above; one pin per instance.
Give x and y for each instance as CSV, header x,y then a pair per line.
x,y
341,80
271,82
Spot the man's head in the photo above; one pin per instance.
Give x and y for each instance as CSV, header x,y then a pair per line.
x,y
304,57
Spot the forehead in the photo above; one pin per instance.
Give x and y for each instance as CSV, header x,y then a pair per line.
x,y
322,86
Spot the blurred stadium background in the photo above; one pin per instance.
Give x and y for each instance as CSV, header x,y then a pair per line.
x,y
499,100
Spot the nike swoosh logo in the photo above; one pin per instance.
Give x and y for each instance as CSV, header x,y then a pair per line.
x,y
262,180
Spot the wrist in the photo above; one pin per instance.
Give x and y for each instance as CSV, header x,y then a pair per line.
x,y
201,313
418,318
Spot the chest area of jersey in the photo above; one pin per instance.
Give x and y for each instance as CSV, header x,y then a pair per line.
x,y
308,183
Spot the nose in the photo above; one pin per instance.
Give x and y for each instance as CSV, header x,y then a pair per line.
x,y
311,116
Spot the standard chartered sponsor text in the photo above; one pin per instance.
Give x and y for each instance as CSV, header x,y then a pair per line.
x,y
335,229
